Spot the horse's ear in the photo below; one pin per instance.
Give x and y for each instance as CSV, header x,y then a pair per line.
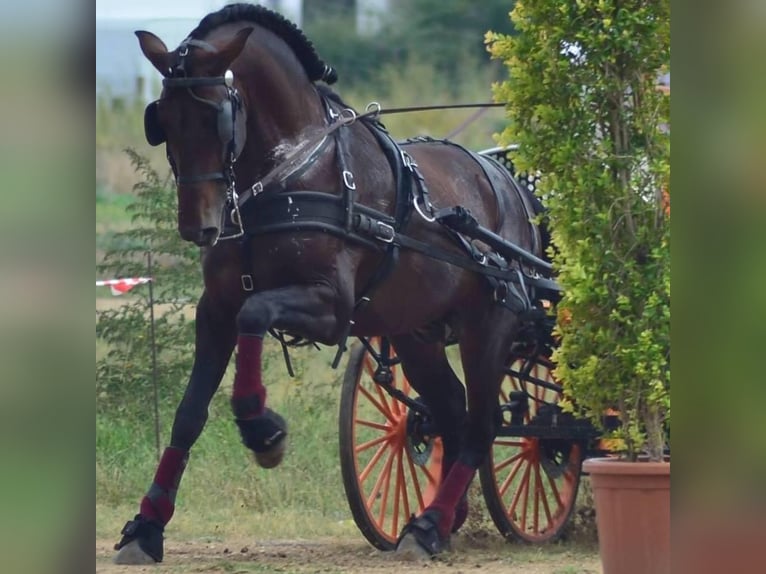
x,y
218,62
155,51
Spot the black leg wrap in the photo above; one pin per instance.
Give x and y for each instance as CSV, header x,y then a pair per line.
x,y
244,407
266,436
426,533
147,532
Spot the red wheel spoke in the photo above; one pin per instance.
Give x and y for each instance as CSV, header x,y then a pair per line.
x,y
429,476
506,462
378,483
384,400
516,443
538,492
398,493
525,501
415,483
555,491
371,464
405,493
519,490
546,508
384,410
372,424
371,443
386,476
509,478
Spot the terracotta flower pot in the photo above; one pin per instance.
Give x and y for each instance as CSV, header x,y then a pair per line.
x,y
632,514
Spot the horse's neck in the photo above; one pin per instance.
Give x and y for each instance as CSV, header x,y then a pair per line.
x,y
284,102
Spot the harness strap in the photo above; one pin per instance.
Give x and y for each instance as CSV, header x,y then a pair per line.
x,y
312,211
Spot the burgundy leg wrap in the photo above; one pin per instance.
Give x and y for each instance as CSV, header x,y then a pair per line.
x,y
159,502
248,398
461,510
450,493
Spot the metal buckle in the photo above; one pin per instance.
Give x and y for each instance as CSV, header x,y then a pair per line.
x,y
347,116
247,282
384,232
257,188
430,219
373,109
348,180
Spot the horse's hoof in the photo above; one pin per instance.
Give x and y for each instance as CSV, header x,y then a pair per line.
x,y
266,436
131,553
141,542
409,549
420,539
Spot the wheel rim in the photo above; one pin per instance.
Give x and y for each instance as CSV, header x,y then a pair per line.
x,y
536,480
391,481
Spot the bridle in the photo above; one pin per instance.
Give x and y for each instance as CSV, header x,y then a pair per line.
x,y
292,165
226,113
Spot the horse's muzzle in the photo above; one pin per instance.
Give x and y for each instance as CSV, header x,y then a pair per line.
x,y
203,237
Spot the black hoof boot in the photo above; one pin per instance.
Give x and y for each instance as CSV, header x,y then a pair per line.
x,y
141,542
266,436
420,538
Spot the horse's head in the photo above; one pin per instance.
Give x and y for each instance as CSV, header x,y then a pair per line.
x,y
201,118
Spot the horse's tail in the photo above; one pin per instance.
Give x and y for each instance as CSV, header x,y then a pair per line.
x,y
541,212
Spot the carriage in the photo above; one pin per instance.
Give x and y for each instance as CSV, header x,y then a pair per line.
x,y
315,225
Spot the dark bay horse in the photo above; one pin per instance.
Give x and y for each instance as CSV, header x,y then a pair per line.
x,y
246,124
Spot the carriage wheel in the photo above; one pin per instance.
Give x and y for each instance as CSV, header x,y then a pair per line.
x,y
530,484
390,470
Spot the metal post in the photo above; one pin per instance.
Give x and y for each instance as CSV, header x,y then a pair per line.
x,y
154,355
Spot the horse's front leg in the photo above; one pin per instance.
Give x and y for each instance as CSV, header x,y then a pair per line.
x,y
310,311
215,335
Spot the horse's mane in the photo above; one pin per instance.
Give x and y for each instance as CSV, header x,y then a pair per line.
x,y
304,51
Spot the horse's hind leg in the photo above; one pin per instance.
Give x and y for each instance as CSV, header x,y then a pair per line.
x,y
142,537
430,374
484,346
307,310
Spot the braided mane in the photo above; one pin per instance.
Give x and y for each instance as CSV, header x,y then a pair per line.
x,y
304,50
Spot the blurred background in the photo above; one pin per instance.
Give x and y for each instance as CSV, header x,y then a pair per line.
x,y
395,52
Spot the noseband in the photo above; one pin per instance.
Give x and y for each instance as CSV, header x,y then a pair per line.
x,y
226,113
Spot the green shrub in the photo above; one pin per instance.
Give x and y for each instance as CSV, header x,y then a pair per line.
x,y
124,371
584,107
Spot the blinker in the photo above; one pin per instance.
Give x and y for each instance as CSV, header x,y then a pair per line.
x,y
228,78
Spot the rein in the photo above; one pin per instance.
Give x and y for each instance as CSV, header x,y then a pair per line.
x,y
441,107
303,155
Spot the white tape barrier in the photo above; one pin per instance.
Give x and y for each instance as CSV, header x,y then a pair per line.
x,y
120,286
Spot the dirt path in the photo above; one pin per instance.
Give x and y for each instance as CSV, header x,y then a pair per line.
x,y
352,557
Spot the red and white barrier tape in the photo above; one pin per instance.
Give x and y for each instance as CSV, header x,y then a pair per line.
x,y
120,286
